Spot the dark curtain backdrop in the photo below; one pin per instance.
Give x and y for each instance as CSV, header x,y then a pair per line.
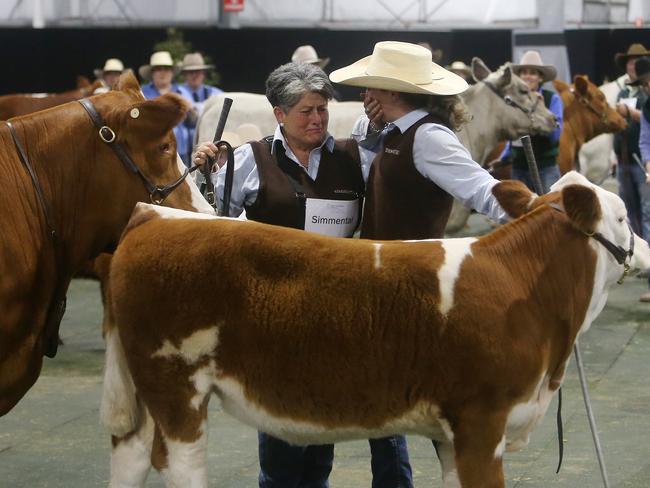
x,y
49,60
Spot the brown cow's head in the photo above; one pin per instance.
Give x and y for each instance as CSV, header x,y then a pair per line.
x,y
604,117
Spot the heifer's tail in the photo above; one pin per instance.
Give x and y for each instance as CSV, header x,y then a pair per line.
x,y
119,409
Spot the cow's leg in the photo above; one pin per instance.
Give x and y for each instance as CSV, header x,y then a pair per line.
x,y
131,455
446,455
185,461
479,443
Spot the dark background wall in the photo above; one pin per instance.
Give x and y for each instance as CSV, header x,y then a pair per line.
x,y
49,60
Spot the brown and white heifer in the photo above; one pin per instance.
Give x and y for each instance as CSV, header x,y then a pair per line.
x,y
317,340
89,195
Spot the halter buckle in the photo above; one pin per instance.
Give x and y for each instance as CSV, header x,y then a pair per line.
x,y
106,134
626,271
157,196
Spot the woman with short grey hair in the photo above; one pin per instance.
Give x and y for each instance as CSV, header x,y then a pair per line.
x,y
301,177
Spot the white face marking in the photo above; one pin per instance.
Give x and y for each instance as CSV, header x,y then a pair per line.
x,y
377,247
420,420
201,343
198,202
456,250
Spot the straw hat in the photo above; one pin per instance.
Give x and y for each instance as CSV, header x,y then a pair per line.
x,y
634,51
532,59
158,59
307,54
642,68
194,62
112,65
459,66
402,67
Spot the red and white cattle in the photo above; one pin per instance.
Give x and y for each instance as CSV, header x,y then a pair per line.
x,y
316,340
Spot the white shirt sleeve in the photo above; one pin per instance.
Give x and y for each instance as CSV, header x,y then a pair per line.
x,y
440,157
246,181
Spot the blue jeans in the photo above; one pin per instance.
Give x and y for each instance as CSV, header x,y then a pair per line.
x,y
548,175
283,465
634,191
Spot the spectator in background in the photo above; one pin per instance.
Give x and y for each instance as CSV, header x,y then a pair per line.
x,y
629,102
194,70
307,54
642,75
462,70
160,71
109,74
535,73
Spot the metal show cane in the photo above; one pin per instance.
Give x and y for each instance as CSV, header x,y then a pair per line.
x,y
207,168
532,167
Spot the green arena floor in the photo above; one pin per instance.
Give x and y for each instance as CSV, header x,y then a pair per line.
x,y
53,437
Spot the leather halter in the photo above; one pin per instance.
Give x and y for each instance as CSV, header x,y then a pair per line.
x,y
620,254
57,306
157,193
509,101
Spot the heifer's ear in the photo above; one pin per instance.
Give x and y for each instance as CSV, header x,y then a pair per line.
x,y
506,77
128,82
560,86
514,196
82,82
582,207
151,119
479,70
581,84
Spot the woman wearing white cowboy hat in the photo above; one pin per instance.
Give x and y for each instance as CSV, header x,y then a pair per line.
x,y
535,73
160,71
420,165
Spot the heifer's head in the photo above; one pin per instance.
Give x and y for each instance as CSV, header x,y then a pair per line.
x,y
143,129
522,112
590,106
593,211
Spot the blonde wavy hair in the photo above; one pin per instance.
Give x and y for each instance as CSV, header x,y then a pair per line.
x,y
450,110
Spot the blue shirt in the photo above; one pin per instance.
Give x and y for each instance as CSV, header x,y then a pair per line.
x,y
644,139
181,131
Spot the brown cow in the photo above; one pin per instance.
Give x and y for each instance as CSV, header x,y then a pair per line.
x,y
89,195
317,340
26,103
586,115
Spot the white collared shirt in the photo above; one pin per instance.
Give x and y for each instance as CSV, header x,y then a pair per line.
x,y
246,178
441,158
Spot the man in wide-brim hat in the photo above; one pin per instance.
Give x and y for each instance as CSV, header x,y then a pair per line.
x,y
110,73
194,69
634,52
462,70
160,71
307,54
418,165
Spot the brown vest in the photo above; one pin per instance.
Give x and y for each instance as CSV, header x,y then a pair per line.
x,y
284,185
402,204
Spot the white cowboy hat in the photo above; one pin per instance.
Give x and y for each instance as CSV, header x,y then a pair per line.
x,y
112,65
459,66
194,62
158,59
307,54
532,59
402,67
